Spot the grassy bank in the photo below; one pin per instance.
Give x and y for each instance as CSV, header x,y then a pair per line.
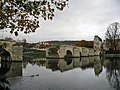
x,y
34,53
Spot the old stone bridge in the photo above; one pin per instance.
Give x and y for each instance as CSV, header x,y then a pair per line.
x,y
10,51
75,51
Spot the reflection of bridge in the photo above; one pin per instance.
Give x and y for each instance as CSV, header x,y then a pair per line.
x,y
11,69
71,63
74,51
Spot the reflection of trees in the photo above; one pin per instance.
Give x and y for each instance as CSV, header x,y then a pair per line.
x,y
52,64
34,61
113,73
4,84
53,51
5,67
38,63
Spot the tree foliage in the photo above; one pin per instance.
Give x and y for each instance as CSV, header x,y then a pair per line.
x,y
23,15
113,35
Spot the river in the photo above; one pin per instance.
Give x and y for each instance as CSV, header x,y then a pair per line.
x,y
86,73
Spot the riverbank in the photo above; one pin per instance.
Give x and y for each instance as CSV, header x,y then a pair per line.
x,y
34,53
112,55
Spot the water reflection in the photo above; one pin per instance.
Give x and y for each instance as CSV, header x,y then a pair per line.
x,y
112,66
108,68
83,63
9,70
5,67
4,84
52,64
113,72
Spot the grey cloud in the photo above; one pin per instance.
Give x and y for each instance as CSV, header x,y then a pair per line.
x,y
82,20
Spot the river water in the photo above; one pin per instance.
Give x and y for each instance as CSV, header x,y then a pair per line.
x,y
87,73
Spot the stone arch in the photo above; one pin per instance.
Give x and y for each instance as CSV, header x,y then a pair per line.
x,y
68,54
5,55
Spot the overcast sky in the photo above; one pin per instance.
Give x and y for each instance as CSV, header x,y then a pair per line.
x,y
82,20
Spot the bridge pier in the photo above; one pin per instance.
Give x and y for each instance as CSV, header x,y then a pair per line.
x,y
17,53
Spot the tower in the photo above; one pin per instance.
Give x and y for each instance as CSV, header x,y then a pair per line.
x,y
97,45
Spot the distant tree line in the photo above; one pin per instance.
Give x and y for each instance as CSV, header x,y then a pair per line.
x,y
84,43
